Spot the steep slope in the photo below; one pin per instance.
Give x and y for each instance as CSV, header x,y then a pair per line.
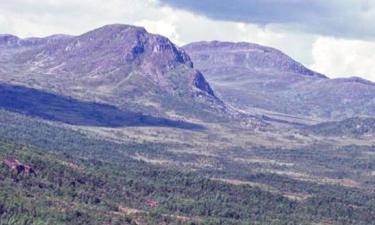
x,y
249,75
117,64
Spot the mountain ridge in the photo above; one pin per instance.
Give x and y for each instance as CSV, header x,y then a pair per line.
x,y
250,76
126,66
118,64
268,55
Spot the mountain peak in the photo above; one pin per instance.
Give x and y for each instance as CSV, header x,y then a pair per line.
x,y
113,61
130,44
247,55
118,50
115,29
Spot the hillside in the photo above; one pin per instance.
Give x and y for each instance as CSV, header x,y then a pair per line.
x,y
63,109
248,75
120,65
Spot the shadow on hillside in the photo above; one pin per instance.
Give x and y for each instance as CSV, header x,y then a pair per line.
x,y
37,103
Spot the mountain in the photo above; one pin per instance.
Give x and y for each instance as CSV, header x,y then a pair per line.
x,y
253,57
250,75
116,126
121,65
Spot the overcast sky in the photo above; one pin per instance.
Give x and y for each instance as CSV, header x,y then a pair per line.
x,y
334,37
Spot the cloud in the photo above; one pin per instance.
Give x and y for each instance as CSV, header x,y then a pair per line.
x,y
340,18
44,17
161,27
344,58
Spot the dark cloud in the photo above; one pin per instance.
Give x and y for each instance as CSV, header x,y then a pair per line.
x,y
342,18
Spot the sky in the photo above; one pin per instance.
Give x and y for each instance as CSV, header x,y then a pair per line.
x,y
334,37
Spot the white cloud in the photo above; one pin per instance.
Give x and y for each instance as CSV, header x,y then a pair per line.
x,y
344,58
161,27
44,17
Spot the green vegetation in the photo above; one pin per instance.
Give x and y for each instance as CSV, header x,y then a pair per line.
x,y
87,180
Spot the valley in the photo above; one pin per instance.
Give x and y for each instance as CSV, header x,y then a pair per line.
x,y
124,127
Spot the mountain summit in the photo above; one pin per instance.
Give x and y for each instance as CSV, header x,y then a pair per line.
x,y
117,64
253,57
